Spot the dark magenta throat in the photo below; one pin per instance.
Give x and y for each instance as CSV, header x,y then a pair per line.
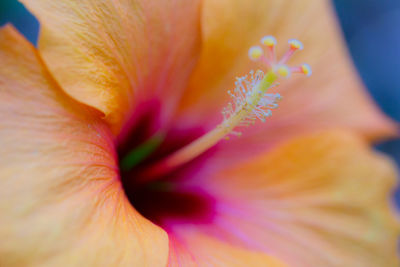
x,y
165,199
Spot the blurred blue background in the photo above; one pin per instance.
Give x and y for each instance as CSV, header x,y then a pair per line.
x,y
371,28
14,12
372,31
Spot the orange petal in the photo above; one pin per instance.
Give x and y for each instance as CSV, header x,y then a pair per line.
x,y
319,200
113,54
200,250
61,202
332,97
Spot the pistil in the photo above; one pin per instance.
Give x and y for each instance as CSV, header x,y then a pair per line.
x,y
250,101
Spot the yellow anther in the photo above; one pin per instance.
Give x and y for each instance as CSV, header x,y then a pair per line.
x,y
283,71
306,69
269,41
255,53
296,44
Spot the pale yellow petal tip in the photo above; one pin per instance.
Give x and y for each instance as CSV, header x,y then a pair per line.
x,y
255,53
296,44
284,71
269,41
306,69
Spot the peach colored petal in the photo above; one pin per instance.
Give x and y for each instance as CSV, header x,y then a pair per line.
x,y
318,200
61,202
332,97
200,250
113,54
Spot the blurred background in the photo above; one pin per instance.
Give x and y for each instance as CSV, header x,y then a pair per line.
x,y
371,29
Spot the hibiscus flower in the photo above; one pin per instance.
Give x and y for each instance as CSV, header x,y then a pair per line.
x,y
106,154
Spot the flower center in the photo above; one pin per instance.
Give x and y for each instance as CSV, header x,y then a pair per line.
x,y
164,200
152,171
